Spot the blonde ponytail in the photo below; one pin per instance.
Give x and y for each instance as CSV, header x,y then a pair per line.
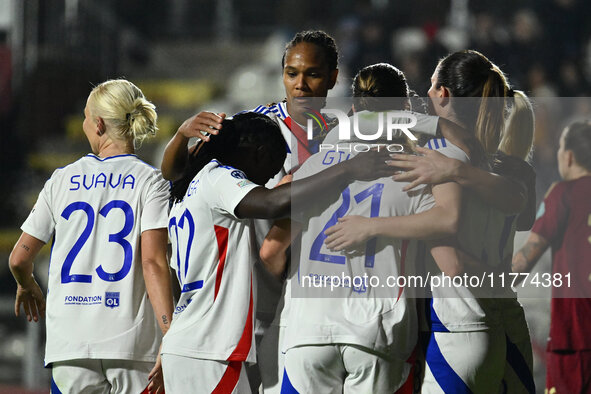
x,y
490,121
518,135
124,109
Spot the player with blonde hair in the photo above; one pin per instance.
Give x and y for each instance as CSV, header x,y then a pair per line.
x,y
109,296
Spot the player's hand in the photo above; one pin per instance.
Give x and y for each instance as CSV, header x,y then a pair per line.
x,y
286,179
203,122
430,168
156,377
370,165
31,297
348,232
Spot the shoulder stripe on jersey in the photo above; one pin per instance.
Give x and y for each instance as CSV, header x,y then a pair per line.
x,y
258,109
436,143
443,143
229,380
429,144
280,106
519,365
221,235
443,373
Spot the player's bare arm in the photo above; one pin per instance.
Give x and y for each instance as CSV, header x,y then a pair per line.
x,y
273,252
157,275
530,253
505,194
176,152
263,203
28,292
159,289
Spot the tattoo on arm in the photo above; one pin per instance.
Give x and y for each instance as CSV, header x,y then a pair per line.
x,y
164,319
528,255
25,247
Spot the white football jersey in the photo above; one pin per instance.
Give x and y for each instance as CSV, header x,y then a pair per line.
x,y
483,233
213,256
380,316
96,209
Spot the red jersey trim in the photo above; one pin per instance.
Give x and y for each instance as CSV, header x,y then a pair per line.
x,y
243,347
221,235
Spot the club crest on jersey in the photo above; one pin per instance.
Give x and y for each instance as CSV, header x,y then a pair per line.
x,y
112,299
238,174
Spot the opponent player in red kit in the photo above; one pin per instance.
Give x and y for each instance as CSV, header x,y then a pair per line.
x,y
564,223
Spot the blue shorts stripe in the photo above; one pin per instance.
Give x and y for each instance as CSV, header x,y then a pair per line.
x,y
519,365
433,320
443,373
54,388
286,386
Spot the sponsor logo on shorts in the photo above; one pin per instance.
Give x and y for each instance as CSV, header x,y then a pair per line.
x,y
112,299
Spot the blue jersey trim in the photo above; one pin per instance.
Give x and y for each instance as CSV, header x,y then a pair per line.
x,y
281,109
110,157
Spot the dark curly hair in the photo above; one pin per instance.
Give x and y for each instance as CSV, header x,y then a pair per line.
x,y
243,130
319,38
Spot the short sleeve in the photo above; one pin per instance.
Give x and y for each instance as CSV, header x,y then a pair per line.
x,y
230,186
41,223
552,215
155,210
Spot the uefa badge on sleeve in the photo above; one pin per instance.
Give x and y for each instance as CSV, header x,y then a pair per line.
x,y
112,299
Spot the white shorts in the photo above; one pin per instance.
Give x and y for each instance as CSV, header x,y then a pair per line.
x,y
340,369
86,376
184,375
271,359
464,362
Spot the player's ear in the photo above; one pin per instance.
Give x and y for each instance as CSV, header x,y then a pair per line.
x,y
570,158
100,126
333,78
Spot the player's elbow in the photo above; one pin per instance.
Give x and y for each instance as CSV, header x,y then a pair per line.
x,y
449,224
154,266
16,263
274,261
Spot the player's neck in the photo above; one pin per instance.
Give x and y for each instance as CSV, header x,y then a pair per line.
x,y
577,172
114,148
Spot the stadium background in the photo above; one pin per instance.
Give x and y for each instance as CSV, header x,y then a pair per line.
x,y
225,56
